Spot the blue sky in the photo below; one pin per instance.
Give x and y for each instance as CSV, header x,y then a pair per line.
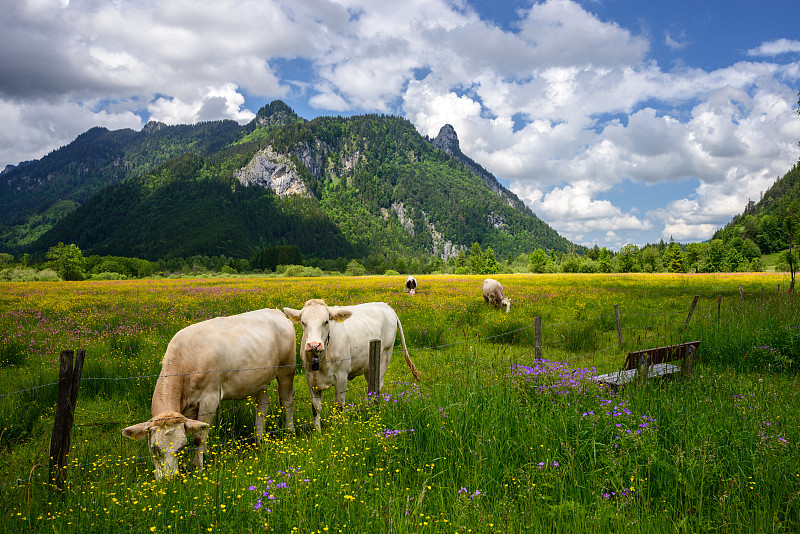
x,y
616,121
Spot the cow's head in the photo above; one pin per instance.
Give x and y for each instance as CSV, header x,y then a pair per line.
x,y
315,318
506,304
166,436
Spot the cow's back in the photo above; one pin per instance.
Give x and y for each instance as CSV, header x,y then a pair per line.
x,y
372,320
233,353
492,289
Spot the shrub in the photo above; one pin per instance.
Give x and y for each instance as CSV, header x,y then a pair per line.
x,y
390,272
106,275
355,269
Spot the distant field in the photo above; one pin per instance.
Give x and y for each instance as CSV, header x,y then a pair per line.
x,y
490,440
769,261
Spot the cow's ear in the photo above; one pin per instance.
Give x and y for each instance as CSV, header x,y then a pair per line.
x,y
136,431
192,426
339,314
293,314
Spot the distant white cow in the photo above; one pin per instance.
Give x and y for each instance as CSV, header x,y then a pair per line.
x,y
224,358
493,294
411,285
335,345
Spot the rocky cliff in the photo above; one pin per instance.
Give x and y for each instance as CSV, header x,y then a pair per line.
x,y
274,171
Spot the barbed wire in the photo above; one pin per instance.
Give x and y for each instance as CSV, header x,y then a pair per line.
x,y
437,347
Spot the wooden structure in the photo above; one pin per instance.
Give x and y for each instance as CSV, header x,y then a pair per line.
x,y
374,372
69,379
649,363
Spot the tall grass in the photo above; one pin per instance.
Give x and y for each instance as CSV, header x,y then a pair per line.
x,y
490,441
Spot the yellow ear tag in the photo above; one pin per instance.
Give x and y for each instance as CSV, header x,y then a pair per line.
x,y
339,320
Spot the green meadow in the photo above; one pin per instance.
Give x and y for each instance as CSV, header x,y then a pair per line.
x,y
490,440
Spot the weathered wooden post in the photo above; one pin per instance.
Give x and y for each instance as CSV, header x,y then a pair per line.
x,y
643,368
741,294
537,342
691,310
69,379
619,323
374,372
719,307
762,296
687,366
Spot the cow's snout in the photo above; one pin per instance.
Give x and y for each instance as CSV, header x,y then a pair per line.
x,y
314,346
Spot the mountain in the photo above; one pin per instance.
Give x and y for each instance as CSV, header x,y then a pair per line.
x,y
762,221
336,187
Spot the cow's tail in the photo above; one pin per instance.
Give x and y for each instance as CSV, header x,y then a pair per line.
x,y
410,364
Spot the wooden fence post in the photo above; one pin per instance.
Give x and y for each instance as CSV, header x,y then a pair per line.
x,y
691,310
374,373
719,306
619,323
537,332
741,294
762,295
69,379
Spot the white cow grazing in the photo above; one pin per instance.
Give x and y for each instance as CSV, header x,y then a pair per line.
x,y
411,285
224,358
335,345
493,294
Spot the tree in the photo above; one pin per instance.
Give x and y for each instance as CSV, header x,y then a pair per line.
x,y
476,261
537,261
750,250
461,262
715,257
69,261
790,226
354,268
604,260
628,258
673,258
490,265
694,255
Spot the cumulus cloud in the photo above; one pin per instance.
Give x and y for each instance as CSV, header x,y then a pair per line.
x,y
563,105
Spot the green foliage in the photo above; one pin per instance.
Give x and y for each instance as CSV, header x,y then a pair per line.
x,y
674,260
268,258
354,268
490,265
68,260
628,259
537,261
172,193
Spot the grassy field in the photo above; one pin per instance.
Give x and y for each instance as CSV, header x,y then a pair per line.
x,y
491,439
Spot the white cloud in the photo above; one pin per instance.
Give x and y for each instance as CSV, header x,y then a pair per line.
x,y
564,106
217,103
35,128
776,48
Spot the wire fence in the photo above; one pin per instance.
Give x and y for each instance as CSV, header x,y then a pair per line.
x,y
668,330
429,348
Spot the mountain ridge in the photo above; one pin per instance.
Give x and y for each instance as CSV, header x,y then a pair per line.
x,y
383,186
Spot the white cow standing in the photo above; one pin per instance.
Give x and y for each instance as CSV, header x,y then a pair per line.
x,y
335,345
224,358
493,294
411,285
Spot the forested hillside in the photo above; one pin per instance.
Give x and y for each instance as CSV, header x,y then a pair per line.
x,y
763,222
362,185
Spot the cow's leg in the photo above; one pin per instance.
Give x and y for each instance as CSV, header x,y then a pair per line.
x,y
262,409
341,390
316,402
205,413
286,394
